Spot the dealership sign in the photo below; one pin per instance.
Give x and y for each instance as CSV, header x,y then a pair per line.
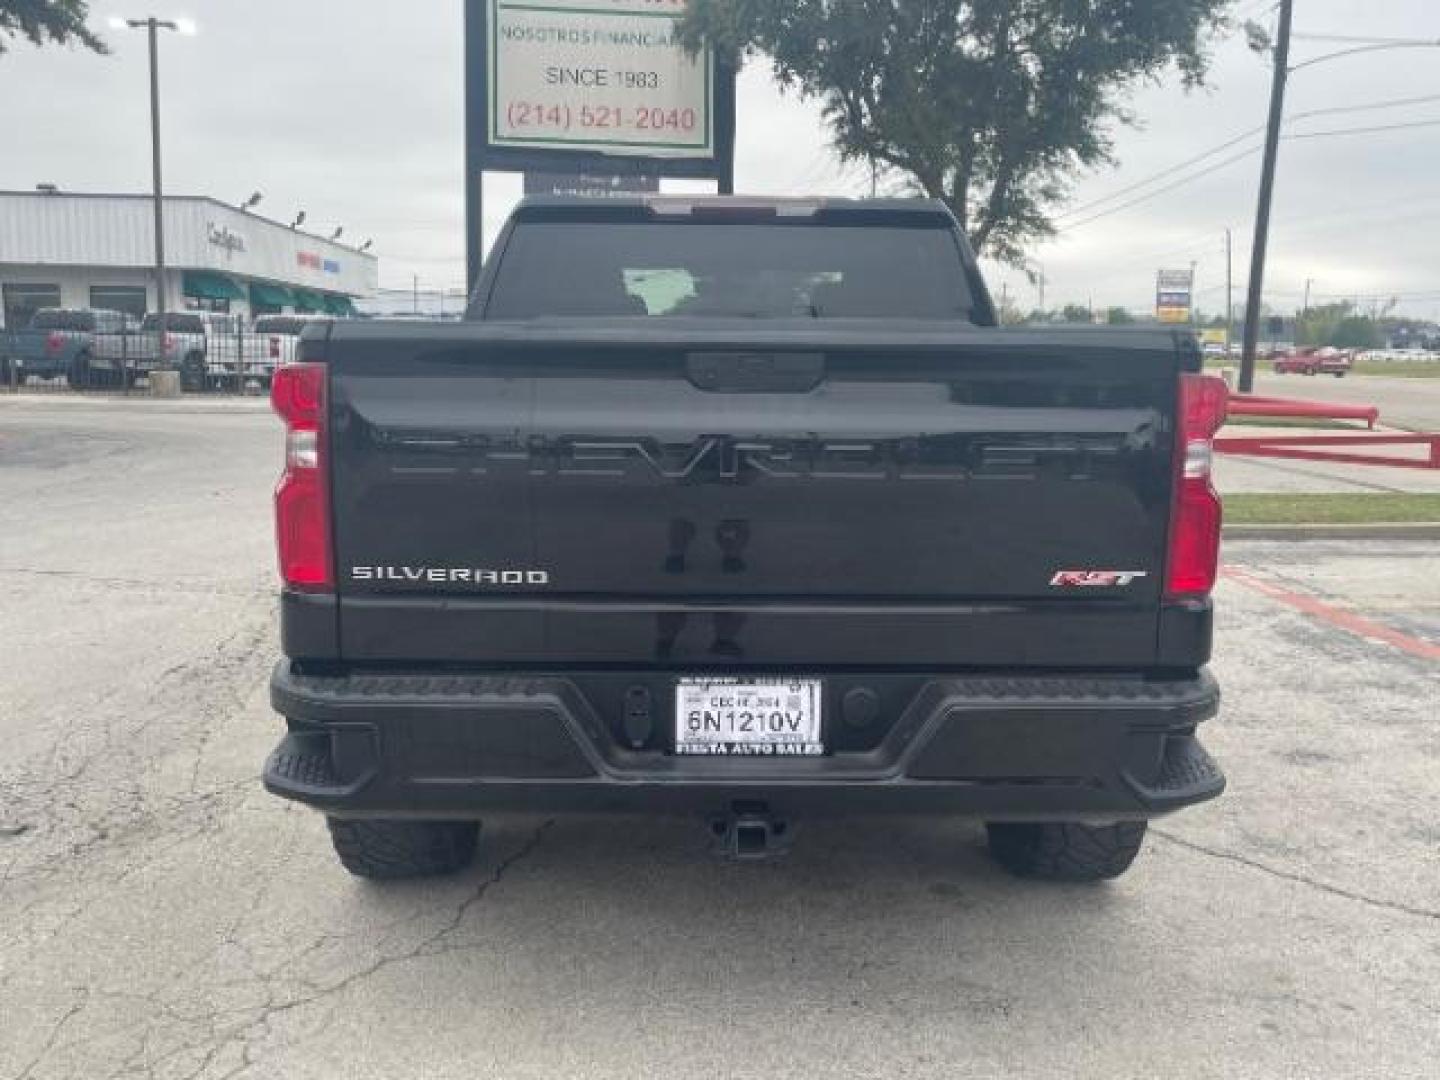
x,y
310,260
224,238
590,88
1174,295
590,186
597,75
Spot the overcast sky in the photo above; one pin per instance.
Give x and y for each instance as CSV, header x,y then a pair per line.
x,y
351,109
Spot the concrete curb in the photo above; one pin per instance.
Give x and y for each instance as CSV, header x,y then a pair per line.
x,y
1380,530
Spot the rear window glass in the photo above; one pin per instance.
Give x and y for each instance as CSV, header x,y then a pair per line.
x,y
680,268
64,320
176,323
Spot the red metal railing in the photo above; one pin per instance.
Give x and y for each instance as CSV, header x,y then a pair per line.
x,y
1313,448
1342,449
1261,405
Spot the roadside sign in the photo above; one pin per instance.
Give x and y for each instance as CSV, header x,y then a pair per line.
x,y
598,75
1174,291
614,186
592,88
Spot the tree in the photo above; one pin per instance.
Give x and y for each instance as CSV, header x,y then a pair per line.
x,y
1317,325
1119,316
1356,332
1009,312
38,21
991,105
1076,313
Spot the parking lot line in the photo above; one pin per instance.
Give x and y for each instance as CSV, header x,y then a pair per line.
x,y
1334,616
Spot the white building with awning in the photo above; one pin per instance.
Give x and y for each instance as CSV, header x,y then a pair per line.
x,y
73,250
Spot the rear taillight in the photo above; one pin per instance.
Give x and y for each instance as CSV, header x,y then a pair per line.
x,y
274,348
1194,554
55,341
302,504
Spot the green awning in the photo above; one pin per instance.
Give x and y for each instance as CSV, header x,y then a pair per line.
x,y
208,286
270,295
339,306
305,300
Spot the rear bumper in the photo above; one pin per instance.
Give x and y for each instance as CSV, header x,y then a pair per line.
x,y
1002,748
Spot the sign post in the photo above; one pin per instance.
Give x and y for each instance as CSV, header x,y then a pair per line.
x,y
598,88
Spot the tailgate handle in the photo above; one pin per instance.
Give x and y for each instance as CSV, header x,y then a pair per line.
x,y
755,372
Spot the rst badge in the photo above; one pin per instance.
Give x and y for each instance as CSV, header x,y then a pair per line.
x,y
1095,579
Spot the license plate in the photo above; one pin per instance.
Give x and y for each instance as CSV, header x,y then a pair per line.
x,y
730,717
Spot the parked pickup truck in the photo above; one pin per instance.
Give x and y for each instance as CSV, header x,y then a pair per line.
x,y
86,347
208,348
744,509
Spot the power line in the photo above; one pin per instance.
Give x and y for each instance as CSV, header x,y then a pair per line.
x,y
1364,130
1241,156
1162,174
1166,189
1309,114
1354,40
1392,103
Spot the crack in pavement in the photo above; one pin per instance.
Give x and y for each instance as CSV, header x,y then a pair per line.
x,y
247,1033
1299,879
54,1036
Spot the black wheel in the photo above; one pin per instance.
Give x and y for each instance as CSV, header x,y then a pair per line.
x,y
79,375
193,376
1056,851
391,850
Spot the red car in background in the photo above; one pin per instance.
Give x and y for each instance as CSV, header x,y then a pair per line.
x,y
1313,360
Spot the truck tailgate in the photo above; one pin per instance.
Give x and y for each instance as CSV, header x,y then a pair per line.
x,y
708,492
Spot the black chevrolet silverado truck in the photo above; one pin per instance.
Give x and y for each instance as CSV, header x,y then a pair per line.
x,y
744,509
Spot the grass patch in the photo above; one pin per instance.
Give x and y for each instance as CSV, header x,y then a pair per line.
x,y
1331,508
1304,423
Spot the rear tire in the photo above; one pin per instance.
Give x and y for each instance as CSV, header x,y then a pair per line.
x,y
79,376
193,374
394,850
1058,851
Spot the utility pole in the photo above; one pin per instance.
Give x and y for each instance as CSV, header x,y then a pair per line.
x,y
415,292
152,27
1267,192
1041,283
1229,291
1304,312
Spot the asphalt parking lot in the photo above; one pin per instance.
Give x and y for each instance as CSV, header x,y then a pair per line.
x,y
160,916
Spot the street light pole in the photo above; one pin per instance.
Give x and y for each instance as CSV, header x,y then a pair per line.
x,y
1267,191
152,27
